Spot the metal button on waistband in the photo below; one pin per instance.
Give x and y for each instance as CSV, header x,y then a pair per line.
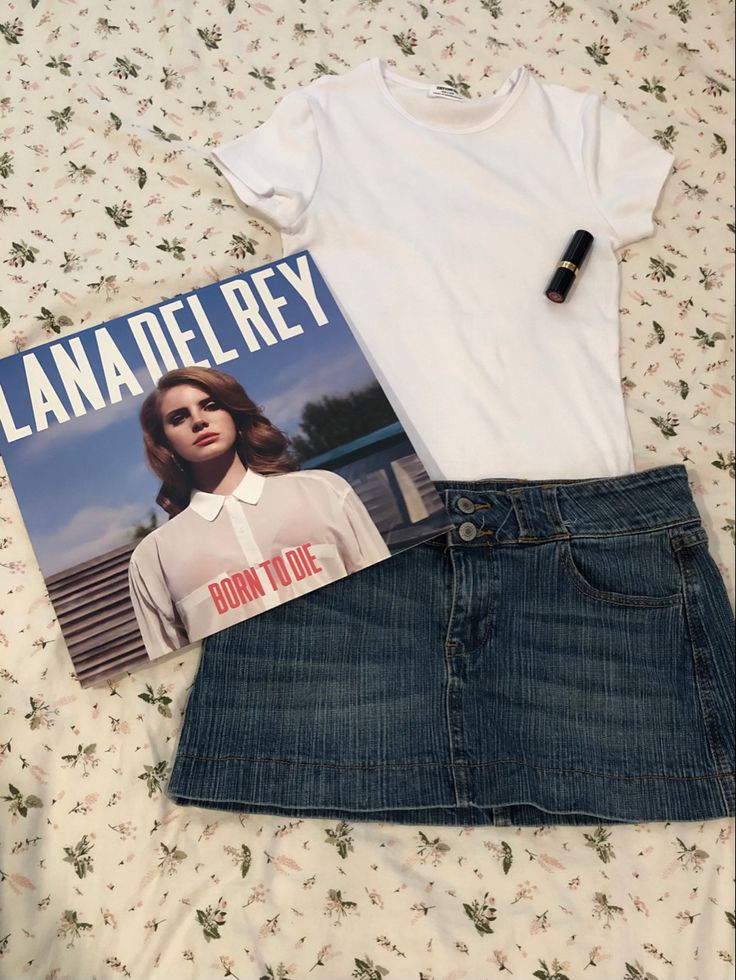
x,y
465,505
467,531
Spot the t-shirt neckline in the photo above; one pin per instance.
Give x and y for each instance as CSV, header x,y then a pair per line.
x,y
515,83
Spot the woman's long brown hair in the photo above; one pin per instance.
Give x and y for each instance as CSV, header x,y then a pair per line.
x,y
261,446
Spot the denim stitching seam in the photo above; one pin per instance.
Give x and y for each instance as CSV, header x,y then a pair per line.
x,y
448,765
613,598
448,678
699,654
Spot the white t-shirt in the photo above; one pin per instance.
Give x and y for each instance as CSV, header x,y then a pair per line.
x,y
228,557
438,223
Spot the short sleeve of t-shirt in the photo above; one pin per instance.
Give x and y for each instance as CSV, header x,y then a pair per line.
x,y
275,167
626,171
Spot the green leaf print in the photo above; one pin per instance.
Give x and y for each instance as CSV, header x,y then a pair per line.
x,y
654,87
84,754
211,919
481,914
80,172
666,424
159,698
599,841
12,32
431,849
245,858
707,339
550,973
241,246
40,714
709,278
407,42
691,857
714,87
124,68
599,51
20,253
170,860
71,928
166,137
666,137
337,905
366,969
727,463
120,214
458,84
603,909
211,36
279,972
322,69
61,119
659,270
61,64
52,322
559,12
80,857
20,804
263,75
173,247
154,776
493,7
635,971
340,837
681,9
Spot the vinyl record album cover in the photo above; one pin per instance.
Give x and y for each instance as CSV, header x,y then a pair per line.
x,y
200,461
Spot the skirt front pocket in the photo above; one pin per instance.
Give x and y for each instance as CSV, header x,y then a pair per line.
x,y
638,570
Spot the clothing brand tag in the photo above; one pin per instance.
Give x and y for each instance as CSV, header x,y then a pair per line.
x,y
444,92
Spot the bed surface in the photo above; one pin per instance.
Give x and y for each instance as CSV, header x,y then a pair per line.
x,y
108,204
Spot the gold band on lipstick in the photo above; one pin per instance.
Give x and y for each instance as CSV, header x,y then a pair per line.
x,y
569,265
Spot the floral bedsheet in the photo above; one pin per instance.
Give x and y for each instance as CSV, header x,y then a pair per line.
x,y
108,203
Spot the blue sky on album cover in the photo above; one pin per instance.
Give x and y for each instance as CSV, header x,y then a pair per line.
x,y
83,484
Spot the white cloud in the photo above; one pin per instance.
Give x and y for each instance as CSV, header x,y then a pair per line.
x,y
91,531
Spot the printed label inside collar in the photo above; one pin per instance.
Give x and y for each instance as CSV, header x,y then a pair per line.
x,y
444,92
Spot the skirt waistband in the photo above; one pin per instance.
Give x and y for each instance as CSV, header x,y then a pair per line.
x,y
484,511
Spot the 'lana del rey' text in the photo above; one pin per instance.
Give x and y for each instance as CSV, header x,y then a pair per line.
x,y
240,588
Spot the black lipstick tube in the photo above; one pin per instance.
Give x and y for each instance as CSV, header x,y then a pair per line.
x,y
569,266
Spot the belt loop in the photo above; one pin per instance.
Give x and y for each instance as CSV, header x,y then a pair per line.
x,y
538,513
525,530
552,503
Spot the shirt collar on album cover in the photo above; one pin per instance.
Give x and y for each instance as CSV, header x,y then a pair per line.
x,y
209,505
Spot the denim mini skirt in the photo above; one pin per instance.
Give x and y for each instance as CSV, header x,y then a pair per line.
x,y
563,655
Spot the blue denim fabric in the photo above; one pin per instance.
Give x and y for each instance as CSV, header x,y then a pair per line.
x,y
562,656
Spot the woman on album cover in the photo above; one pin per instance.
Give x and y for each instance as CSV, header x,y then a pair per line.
x,y
246,529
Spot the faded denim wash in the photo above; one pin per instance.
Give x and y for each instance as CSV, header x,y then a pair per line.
x,y
562,656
